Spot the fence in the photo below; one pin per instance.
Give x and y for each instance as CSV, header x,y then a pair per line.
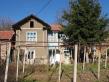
x,y
22,68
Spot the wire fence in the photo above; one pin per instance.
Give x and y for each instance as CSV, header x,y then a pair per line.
x,y
21,67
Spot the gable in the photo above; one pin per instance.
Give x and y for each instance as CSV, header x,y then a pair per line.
x,y
32,23
26,22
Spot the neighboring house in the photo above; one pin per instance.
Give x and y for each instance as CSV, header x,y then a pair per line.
x,y
6,36
31,33
55,41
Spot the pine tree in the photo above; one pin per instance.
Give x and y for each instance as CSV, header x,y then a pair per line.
x,y
84,23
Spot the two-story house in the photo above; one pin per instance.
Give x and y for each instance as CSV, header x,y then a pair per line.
x,y
31,37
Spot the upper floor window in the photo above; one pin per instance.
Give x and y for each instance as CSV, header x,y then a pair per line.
x,y
31,36
31,24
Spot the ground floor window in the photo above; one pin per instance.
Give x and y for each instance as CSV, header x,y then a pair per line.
x,y
31,54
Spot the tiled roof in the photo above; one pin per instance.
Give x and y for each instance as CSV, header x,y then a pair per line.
x,y
6,35
56,27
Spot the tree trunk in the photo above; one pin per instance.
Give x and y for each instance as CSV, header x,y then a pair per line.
x,y
75,64
17,65
7,62
106,59
99,59
84,57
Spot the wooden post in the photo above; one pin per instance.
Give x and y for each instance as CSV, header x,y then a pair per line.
x,y
75,64
93,56
106,59
24,62
84,58
55,55
59,78
17,71
99,59
0,55
7,62
52,58
94,53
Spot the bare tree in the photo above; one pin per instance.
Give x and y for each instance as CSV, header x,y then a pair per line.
x,y
5,23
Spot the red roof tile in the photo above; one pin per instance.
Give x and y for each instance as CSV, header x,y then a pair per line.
x,y
56,27
6,35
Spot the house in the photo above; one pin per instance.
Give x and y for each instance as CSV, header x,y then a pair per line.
x,y
31,37
55,41
6,38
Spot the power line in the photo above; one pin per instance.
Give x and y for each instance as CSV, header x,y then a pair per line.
x,y
48,2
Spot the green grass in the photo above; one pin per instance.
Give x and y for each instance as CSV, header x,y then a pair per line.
x,y
68,70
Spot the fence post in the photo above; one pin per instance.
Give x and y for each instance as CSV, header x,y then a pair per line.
x,y
59,78
106,59
24,62
7,62
84,57
99,61
75,64
17,71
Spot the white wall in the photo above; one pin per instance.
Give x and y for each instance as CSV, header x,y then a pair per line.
x,y
53,37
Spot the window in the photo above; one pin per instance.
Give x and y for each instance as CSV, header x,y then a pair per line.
x,y
31,54
31,36
31,24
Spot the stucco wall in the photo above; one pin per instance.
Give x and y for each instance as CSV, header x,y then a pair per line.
x,y
40,51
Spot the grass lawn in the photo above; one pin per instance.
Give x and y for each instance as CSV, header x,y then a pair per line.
x,y
43,73
51,75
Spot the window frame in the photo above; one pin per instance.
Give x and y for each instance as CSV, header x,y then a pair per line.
x,y
30,55
29,36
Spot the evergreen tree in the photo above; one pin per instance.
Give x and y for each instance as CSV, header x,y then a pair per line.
x,y
84,23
